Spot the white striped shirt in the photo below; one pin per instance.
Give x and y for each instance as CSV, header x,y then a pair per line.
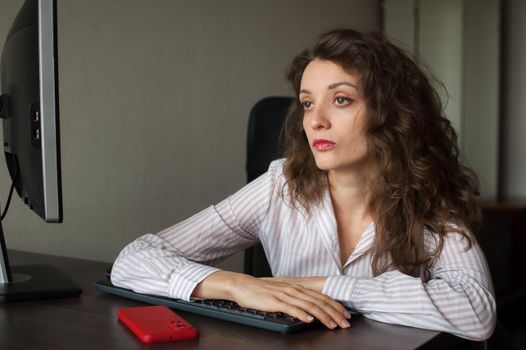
x,y
457,299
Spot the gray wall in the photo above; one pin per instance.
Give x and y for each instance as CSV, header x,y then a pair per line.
x,y
154,99
514,100
459,41
491,96
481,92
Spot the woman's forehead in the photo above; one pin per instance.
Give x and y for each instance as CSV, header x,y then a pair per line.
x,y
325,73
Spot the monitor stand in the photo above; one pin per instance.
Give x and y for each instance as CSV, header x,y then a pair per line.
x,y
32,282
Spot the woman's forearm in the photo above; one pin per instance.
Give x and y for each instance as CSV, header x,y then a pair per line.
x,y
219,285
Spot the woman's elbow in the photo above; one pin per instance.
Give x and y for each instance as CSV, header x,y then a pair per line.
x,y
120,271
487,328
480,334
483,326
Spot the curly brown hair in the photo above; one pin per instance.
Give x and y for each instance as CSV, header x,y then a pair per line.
x,y
421,185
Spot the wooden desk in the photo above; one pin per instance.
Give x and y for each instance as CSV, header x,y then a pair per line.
x,y
90,322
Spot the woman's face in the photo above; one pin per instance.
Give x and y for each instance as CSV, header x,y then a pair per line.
x,y
334,116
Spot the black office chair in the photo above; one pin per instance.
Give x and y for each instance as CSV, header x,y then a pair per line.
x,y
263,146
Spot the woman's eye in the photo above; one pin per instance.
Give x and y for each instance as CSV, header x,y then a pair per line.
x,y
340,100
306,105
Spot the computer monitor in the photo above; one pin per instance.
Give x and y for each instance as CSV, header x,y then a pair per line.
x,y
29,109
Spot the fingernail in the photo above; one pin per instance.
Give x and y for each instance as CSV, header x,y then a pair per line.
x,y
345,324
347,314
310,318
333,324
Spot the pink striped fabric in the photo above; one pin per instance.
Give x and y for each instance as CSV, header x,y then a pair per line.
x,y
457,299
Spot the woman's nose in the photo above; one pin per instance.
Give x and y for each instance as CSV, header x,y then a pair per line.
x,y
319,119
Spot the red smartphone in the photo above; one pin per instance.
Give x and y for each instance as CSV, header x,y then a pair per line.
x,y
156,324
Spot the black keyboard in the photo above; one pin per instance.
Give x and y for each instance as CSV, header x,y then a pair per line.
x,y
220,309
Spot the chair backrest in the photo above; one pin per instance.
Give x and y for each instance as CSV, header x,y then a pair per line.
x,y
263,146
263,137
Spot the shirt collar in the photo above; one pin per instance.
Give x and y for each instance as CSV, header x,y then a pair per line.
x,y
328,229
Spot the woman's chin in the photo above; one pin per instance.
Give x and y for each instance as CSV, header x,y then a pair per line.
x,y
324,165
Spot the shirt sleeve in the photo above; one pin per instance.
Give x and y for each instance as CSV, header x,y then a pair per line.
x,y
458,299
172,262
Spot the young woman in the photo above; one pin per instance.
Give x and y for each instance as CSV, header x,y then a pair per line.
x,y
370,208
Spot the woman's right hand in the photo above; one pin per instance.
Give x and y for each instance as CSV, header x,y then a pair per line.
x,y
266,295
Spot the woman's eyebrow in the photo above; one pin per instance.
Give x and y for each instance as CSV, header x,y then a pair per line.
x,y
332,87
335,85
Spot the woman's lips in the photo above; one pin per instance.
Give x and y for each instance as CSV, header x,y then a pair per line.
x,y
323,145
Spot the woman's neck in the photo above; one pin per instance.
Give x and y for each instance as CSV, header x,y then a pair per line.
x,y
349,192
350,202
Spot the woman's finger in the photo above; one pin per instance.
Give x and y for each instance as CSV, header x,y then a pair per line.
x,y
320,306
336,310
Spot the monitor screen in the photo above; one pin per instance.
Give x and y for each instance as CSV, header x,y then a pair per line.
x,y
30,120
29,109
